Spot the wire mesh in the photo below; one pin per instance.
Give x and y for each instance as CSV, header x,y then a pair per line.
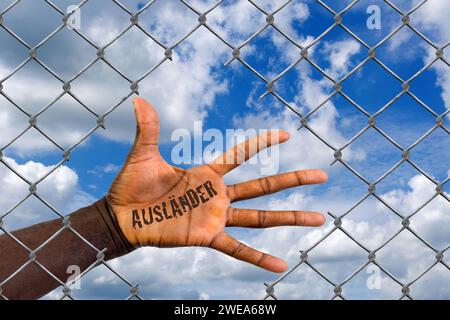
x,y
303,119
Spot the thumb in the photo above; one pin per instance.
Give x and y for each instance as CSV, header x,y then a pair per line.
x,y
147,129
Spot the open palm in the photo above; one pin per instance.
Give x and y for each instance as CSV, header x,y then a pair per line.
x,y
157,204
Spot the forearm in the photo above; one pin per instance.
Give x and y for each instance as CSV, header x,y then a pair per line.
x,y
95,223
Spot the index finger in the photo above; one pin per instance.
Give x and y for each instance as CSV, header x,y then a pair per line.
x,y
243,151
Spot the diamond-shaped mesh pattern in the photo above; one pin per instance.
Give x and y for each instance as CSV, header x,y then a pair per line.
x,y
303,119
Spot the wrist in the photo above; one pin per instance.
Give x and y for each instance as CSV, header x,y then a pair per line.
x,y
123,245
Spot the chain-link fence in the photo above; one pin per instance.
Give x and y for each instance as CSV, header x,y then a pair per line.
x,y
303,119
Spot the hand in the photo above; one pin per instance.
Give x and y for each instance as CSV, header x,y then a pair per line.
x,y
157,204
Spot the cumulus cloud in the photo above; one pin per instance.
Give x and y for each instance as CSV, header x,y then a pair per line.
x,y
432,20
100,171
443,78
183,91
405,257
310,152
61,189
196,273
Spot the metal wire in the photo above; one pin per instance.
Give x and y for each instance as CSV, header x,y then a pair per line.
x,y
405,153
235,55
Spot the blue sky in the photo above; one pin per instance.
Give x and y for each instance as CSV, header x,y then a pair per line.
x,y
228,98
405,121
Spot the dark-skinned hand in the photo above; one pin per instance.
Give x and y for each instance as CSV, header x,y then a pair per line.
x,y
147,183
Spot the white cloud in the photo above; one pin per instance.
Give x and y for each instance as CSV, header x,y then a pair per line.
x,y
432,20
309,152
340,53
182,91
109,168
443,77
433,16
432,222
60,189
198,272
